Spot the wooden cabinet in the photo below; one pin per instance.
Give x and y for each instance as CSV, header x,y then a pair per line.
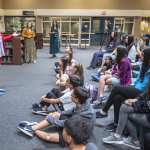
x,y
14,52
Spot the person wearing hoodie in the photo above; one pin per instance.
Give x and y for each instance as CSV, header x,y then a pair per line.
x,y
83,108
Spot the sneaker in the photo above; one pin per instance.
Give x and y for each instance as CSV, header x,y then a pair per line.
x,y
24,123
39,111
100,115
26,128
34,61
131,143
102,98
97,104
111,127
113,139
89,68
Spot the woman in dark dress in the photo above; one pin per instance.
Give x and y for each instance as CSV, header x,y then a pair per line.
x,y
54,39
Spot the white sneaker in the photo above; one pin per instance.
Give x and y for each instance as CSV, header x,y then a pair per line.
x,y
34,61
113,139
131,143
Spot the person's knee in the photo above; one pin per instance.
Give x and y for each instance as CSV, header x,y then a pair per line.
x,y
116,89
124,108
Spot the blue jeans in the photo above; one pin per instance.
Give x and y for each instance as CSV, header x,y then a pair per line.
x,y
96,57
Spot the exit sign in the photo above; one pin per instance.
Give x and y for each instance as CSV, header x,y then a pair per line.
x,y
28,13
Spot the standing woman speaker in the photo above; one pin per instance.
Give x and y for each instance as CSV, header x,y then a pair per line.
x,y
54,39
30,48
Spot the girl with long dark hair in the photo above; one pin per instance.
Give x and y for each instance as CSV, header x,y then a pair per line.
x,y
121,72
54,39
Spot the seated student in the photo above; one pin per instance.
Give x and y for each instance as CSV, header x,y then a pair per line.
x,y
97,56
132,50
69,56
77,132
133,114
120,75
120,93
61,77
83,108
107,66
61,98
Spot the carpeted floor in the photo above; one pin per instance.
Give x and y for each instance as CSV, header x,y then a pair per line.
x,y
25,85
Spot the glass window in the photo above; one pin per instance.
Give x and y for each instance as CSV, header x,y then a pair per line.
x,y
65,27
46,18
96,26
74,18
128,28
85,18
65,18
46,29
129,19
75,29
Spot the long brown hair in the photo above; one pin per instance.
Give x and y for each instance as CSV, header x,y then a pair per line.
x,y
80,72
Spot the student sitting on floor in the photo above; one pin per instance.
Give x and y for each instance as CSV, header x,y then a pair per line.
x,y
120,75
61,77
120,93
98,56
134,110
77,132
57,97
107,66
83,108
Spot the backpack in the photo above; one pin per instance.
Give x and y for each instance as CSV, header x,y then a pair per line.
x,y
93,92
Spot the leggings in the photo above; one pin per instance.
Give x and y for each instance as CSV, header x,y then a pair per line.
x,y
118,95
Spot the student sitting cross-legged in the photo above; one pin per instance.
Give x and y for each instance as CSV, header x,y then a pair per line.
x,y
56,97
83,108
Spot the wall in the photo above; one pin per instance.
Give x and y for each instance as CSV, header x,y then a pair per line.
x,y
76,4
1,4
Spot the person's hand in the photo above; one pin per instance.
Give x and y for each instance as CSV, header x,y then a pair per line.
x,y
130,101
43,97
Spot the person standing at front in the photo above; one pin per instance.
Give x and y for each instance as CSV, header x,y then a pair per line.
x,y
30,48
54,39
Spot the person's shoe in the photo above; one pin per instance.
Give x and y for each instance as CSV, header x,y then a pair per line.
x,y
39,110
102,98
24,123
34,61
97,104
113,139
131,143
26,128
101,114
89,68
111,127
95,78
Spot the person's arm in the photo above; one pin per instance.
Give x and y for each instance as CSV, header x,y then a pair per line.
x,y
24,33
131,102
114,51
51,101
124,69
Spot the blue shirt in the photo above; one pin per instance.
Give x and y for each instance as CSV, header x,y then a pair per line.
x,y
142,86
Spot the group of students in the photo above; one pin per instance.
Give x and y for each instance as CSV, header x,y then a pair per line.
x,y
69,109
71,112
